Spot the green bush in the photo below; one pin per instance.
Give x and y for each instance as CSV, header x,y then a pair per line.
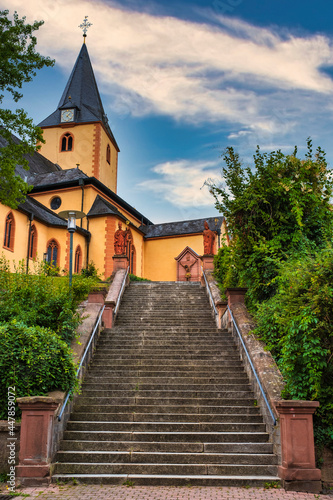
x,y
34,360
42,300
133,277
297,326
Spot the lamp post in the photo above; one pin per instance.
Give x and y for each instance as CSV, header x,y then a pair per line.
x,y
71,216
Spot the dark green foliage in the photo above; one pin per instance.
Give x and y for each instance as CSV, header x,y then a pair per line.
x,y
38,299
280,224
38,320
34,360
133,277
90,271
297,326
18,64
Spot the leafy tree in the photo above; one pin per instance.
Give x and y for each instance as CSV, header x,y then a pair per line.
x,y
279,207
296,325
18,64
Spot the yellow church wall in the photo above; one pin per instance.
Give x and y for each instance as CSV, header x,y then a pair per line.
x,y
97,243
90,143
83,146
20,241
160,253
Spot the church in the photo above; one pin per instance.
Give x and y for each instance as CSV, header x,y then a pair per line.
x,y
76,170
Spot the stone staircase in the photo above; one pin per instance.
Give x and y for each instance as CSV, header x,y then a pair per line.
x,y
166,400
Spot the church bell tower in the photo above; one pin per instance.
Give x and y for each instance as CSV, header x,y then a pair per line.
x,y
78,132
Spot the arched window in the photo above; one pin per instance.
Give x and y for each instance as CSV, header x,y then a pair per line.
x,y
33,242
67,141
52,253
9,232
108,154
78,260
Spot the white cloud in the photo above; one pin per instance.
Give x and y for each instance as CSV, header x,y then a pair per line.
x,y
189,71
182,182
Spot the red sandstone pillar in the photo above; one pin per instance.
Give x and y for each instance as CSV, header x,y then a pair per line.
x,y
36,439
207,262
120,262
298,470
235,295
107,316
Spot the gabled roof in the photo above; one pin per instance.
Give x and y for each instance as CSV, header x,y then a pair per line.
x,y
185,251
103,207
81,93
182,227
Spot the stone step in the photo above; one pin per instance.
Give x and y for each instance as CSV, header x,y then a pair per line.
x,y
165,363
166,427
158,457
144,371
196,437
254,448
139,386
91,415
231,399
167,355
164,344
167,393
168,409
146,468
185,379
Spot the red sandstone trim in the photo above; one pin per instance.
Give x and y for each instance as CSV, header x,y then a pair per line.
x,y
96,151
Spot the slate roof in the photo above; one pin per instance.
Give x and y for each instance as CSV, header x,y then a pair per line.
x,y
37,162
103,207
182,227
49,178
45,215
82,94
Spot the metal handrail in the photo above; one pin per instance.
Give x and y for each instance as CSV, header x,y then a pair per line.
x,y
253,369
98,321
209,293
120,293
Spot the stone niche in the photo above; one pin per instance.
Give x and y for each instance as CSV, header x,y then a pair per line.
x,y
188,265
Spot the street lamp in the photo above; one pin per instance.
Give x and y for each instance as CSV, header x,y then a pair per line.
x,y
71,216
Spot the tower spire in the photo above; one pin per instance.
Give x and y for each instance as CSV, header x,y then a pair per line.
x,y
84,26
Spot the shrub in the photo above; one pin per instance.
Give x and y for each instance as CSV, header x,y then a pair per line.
x,y
296,325
34,360
39,299
133,277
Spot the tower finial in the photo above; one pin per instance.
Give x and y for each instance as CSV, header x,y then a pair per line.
x,y
84,26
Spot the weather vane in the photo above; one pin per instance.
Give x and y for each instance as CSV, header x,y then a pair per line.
x,y
84,26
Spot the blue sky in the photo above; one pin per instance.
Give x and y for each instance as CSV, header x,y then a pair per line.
x,y
181,80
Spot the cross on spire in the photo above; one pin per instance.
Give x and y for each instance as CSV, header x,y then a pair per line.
x,y
84,26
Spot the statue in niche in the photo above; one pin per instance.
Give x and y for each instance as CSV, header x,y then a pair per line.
x,y
120,239
209,238
187,267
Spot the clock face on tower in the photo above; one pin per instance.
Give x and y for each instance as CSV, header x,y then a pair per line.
x,y
67,115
